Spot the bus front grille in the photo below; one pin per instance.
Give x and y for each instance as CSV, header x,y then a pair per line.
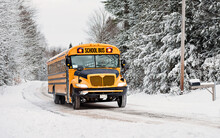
x,y
105,81
108,80
96,80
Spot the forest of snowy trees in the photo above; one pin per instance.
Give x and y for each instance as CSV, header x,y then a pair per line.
x,y
150,41
148,32
22,46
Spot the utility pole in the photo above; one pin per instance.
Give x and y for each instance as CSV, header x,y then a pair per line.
x,y
126,12
182,46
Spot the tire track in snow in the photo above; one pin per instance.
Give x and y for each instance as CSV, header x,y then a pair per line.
x,y
102,111
132,115
173,118
89,110
25,97
60,109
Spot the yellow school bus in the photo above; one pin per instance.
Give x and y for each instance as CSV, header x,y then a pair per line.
x,y
87,73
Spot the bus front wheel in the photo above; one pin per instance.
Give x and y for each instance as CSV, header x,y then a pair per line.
x,y
76,101
122,100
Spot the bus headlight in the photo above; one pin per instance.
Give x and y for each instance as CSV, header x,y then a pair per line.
x,y
82,85
121,84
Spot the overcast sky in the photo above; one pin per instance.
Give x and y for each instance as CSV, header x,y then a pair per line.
x,y
64,21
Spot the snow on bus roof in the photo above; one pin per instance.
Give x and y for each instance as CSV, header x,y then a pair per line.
x,y
58,55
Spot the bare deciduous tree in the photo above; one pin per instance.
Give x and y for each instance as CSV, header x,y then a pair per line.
x,y
101,27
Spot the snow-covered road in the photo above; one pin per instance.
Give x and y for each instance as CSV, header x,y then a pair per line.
x,y
28,111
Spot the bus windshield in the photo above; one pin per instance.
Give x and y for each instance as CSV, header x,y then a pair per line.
x,y
95,61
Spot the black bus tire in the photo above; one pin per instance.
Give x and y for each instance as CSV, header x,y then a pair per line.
x,y
122,100
76,102
62,99
56,98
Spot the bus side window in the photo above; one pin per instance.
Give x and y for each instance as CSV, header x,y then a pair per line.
x,y
63,65
54,68
48,69
58,66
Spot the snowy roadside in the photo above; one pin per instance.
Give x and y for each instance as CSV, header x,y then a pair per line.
x,y
21,117
197,103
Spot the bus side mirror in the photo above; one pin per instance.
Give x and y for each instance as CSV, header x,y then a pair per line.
x,y
68,61
79,69
124,65
123,62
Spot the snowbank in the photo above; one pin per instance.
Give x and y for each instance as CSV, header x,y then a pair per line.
x,y
197,102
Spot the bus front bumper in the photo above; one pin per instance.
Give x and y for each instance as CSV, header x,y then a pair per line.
x,y
93,92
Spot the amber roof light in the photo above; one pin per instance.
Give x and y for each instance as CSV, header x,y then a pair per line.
x,y
109,50
80,50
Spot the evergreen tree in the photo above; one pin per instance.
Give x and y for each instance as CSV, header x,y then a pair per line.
x,y
34,45
22,54
10,41
152,43
203,39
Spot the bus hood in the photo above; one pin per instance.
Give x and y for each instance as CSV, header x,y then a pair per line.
x,y
85,73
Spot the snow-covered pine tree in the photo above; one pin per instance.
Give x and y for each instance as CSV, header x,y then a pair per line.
x,y
154,42
116,8
10,41
34,45
119,9
203,39
155,37
18,33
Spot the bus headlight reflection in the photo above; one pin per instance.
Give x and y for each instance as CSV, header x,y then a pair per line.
x,y
121,84
82,85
